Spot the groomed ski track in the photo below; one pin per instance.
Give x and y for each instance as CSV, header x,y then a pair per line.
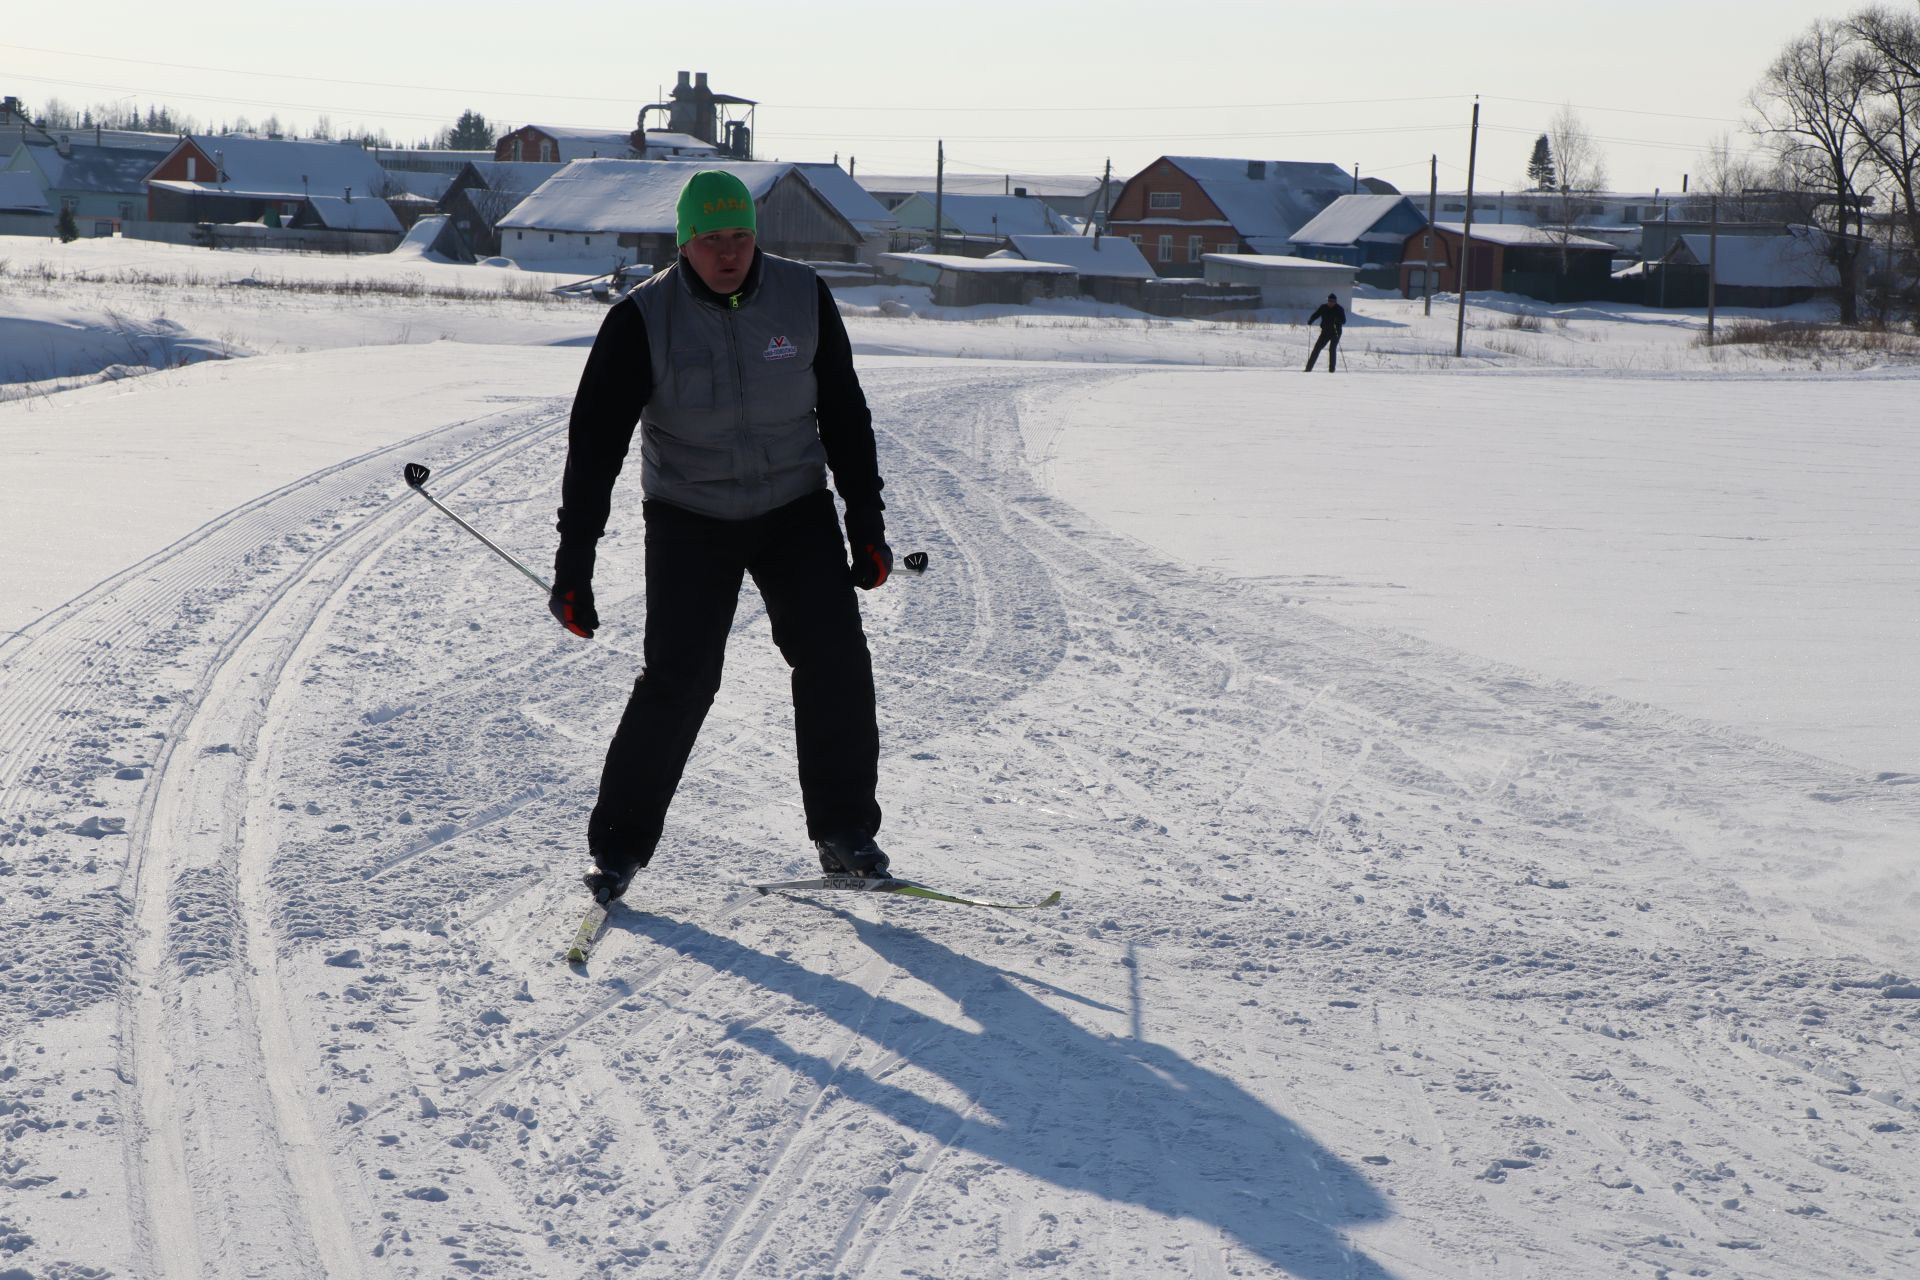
x,y
306,1015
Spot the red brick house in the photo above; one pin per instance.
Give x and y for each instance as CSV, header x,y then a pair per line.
x,y
557,144
1180,208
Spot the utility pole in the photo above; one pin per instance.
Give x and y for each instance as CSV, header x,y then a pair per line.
x,y
851,161
1356,176
939,196
1713,259
1433,205
1466,234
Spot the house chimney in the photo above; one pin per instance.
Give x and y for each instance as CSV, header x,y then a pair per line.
x,y
1257,170
349,195
64,146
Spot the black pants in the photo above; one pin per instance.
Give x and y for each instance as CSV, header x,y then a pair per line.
x,y
694,569
1330,339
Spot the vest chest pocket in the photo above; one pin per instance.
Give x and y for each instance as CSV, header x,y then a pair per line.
x,y
693,377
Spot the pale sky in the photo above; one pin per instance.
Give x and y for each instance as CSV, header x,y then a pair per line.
x,y
1037,87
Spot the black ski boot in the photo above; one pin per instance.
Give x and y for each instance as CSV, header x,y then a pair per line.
x,y
608,886
852,854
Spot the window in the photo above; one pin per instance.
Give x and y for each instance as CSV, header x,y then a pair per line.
x,y
549,237
546,151
1196,246
1166,248
1163,200
586,240
1229,248
1453,208
1137,240
126,211
193,167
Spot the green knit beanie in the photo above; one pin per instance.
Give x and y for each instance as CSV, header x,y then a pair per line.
x,y
713,200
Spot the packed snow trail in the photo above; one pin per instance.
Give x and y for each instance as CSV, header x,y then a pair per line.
x,y
1374,959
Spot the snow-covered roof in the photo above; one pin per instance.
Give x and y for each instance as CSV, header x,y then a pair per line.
x,y
1267,210
587,144
983,184
1795,260
20,193
1515,236
362,213
1280,262
631,197
286,167
984,215
427,184
523,176
993,266
1088,255
851,199
668,140
1351,219
98,170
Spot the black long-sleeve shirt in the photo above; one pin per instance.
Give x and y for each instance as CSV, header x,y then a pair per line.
x,y
618,381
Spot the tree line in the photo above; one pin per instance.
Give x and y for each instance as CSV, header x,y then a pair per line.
x,y
471,132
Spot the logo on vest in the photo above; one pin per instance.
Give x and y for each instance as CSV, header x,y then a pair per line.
x,y
779,349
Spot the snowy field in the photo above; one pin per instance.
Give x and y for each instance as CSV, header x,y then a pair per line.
x,y
1483,794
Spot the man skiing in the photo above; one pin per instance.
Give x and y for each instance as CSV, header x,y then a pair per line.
x,y
1333,318
738,370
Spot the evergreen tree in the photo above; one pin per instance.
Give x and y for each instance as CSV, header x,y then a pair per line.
x,y
470,133
65,227
1540,167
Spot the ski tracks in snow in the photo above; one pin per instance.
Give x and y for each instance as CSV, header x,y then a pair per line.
x,y
1304,864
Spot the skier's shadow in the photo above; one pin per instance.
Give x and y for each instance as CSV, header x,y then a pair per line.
x,y
1125,1120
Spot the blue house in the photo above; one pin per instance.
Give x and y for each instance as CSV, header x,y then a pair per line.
x,y
1363,232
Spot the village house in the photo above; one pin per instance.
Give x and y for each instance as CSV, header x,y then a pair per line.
x,y
1366,232
558,144
281,182
1551,266
973,226
1290,285
1181,208
596,216
102,187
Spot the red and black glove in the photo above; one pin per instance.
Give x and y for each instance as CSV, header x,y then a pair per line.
x,y
571,600
872,557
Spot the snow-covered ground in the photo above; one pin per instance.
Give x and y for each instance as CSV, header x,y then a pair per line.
x,y
1483,794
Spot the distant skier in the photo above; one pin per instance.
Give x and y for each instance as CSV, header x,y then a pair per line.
x,y
738,369
1333,318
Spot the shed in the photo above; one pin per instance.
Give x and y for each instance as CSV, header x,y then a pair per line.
x,y
959,281
1548,265
1285,283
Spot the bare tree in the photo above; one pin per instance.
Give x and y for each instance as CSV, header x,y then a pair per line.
x,y
1890,126
1810,104
1581,169
1741,180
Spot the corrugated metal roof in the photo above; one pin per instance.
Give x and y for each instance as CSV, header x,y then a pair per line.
x,y
1089,255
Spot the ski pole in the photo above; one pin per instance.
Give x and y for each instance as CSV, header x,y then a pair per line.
x,y
416,475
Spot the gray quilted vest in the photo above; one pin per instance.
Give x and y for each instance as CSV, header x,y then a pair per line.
x,y
730,430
